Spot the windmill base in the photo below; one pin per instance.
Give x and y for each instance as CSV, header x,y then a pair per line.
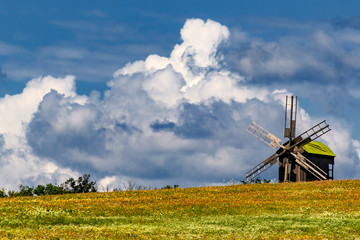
x,y
289,171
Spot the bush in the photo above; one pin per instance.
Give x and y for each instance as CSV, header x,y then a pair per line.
x,y
131,186
256,180
170,187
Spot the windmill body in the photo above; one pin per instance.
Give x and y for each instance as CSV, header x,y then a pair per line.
x,y
316,152
300,158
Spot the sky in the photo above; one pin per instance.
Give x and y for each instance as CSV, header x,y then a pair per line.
x,y
162,92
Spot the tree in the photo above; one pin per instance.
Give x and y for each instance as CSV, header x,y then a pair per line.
x,y
81,185
2,193
26,190
51,189
131,186
40,190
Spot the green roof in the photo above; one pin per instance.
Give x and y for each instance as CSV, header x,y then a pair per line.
x,y
318,148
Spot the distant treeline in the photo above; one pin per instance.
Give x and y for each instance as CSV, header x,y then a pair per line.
x,y
84,185
81,185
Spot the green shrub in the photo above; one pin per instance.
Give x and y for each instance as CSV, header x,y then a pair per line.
x,y
170,187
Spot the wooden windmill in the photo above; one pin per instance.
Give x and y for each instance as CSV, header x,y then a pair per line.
x,y
300,158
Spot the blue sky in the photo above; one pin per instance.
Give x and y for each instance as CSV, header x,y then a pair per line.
x,y
160,92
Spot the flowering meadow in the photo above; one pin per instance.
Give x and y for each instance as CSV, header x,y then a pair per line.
x,y
312,210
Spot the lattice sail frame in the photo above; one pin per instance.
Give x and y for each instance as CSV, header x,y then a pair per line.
x,y
264,135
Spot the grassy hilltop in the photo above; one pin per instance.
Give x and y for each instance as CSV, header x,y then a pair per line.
x,y
313,210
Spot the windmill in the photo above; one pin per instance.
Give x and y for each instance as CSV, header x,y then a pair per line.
x,y
294,166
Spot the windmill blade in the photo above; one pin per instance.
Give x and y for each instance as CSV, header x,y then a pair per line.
x,y
311,134
263,166
309,166
264,135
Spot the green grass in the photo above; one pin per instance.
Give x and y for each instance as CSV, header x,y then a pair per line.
x,y
316,210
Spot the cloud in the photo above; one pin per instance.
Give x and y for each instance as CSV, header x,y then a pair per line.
x,y
2,75
155,118
64,52
61,129
93,50
92,30
95,13
9,49
19,108
195,66
307,52
19,164
177,119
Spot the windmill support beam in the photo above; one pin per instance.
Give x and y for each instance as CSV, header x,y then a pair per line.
x,y
290,116
286,172
307,165
298,173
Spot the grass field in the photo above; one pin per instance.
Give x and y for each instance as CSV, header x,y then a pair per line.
x,y
313,210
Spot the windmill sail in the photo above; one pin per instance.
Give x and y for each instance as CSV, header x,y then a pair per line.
x,y
264,135
261,167
311,134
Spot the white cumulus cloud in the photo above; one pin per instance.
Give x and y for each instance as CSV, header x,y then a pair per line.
x,y
177,119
